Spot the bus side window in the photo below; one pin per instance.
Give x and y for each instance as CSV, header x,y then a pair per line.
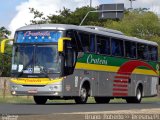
x,y
98,44
152,53
130,49
103,45
107,47
85,41
92,43
114,47
117,47
74,43
142,51
79,44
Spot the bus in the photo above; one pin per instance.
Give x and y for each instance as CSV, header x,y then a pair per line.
x,y
59,61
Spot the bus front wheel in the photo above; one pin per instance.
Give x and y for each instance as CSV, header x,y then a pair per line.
x,y
82,99
40,100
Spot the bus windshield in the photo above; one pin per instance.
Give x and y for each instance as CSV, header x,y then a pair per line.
x,y
35,59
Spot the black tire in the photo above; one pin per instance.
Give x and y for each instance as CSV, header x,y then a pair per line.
x,y
100,100
82,99
137,98
40,100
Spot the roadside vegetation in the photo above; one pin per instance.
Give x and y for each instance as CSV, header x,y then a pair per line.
x,y
5,64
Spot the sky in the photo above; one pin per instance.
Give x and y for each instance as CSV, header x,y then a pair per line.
x,y
15,13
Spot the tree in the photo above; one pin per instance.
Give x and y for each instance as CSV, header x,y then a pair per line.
x,y
65,16
139,23
5,64
38,17
4,33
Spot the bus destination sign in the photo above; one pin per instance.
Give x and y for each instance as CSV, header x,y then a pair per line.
x,y
37,36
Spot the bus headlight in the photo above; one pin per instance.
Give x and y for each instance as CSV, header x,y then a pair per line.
x,y
13,92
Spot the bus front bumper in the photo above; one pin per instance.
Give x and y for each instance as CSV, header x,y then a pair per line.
x,y
54,89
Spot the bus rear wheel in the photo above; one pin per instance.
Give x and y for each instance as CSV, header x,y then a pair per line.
x,y
102,99
82,99
40,100
137,98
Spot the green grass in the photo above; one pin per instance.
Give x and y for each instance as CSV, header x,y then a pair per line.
x,y
8,98
29,99
15,99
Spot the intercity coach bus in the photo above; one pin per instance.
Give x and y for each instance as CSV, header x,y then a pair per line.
x,y
58,61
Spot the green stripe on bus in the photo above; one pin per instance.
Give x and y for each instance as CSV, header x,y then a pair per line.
x,y
108,60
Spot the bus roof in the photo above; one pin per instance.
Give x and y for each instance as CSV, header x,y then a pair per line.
x,y
91,29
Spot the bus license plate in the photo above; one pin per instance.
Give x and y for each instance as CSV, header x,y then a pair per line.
x,y
32,91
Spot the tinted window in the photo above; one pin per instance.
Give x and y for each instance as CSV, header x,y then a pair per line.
x,y
74,43
79,44
85,40
130,49
117,47
103,45
152,53
92,43
142,51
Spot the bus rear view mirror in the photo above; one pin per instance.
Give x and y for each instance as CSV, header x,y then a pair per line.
x,y
61,43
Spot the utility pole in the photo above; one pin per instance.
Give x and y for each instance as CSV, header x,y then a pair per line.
x,y
131,3
90,3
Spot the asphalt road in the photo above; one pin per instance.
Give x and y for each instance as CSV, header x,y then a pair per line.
x,y
32,109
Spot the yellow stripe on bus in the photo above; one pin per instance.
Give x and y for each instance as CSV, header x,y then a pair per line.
x,y
96,67
145,72
111,68
35,81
